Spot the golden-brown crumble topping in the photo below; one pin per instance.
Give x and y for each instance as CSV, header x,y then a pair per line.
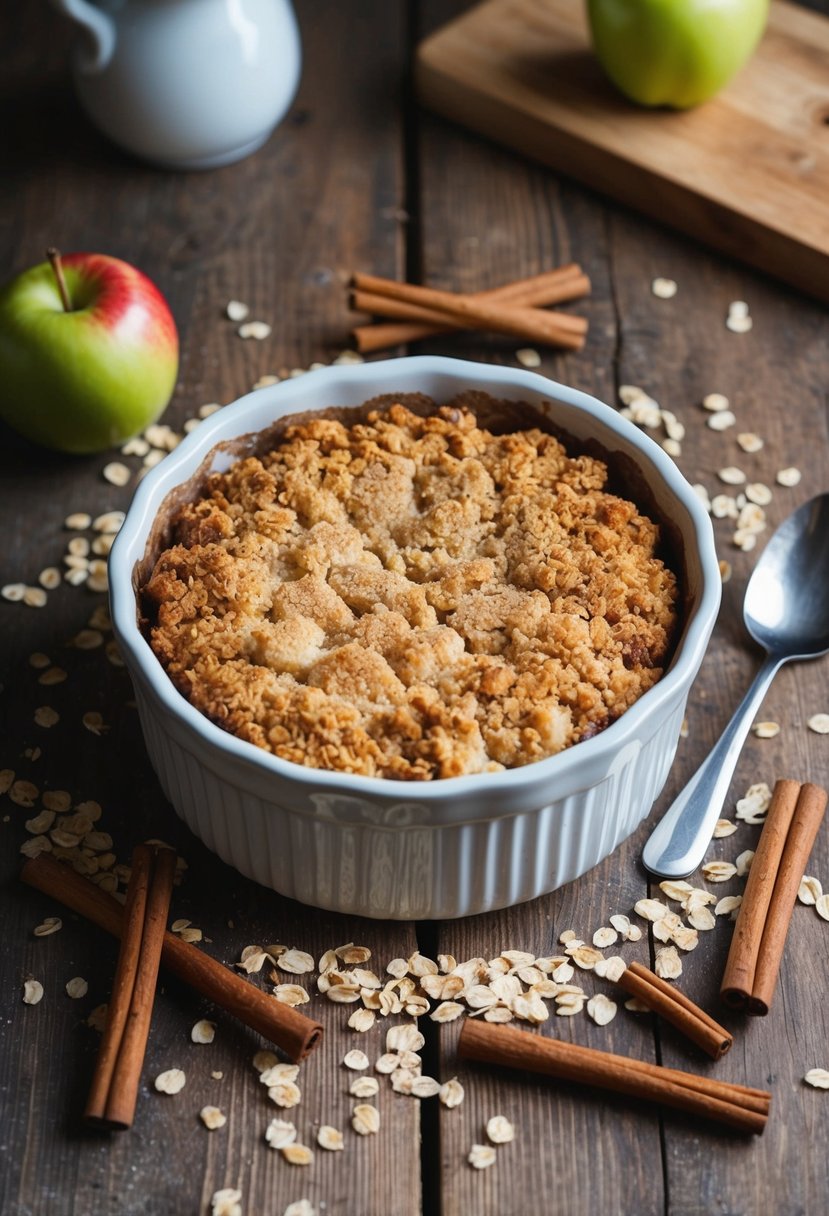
x,y
412,597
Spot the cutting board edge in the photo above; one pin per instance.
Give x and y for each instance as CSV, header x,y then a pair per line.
x,y
768,250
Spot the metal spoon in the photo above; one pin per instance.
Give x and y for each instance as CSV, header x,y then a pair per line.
x,y
786,610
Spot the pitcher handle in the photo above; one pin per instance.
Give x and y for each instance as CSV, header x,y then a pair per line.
x,y
98,25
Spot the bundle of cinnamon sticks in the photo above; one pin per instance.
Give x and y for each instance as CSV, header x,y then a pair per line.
x,y
145,942
516,308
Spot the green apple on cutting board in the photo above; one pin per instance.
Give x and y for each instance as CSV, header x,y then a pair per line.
x,y
674,53
88,352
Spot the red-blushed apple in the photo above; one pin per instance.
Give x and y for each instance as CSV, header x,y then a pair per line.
x,y
88,352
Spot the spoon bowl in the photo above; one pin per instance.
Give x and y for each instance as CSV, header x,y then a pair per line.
x,y
786,611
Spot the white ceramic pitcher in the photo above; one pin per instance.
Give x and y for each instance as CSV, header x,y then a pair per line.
x,y
190,84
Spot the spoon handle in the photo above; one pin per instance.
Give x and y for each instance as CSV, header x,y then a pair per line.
x,y
677,844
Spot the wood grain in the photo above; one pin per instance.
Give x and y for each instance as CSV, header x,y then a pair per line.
x,y
523,74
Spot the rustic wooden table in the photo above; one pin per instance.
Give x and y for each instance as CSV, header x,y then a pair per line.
x,y
357,177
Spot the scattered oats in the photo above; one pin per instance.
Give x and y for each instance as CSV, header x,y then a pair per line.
x,y
725,570
668,964
425,1087
567,936
738,324
300,1207
664,289
362,1020
252,960
528,357
766,730
13,592
699,917
206,411
651,909
499,1130
297,962
352,954
276,1073
285,1094
586,957
154,457
601,1009
203,1031
40,823
758,492
621,924
743,862
98,1018
405,1037
212,1117
49,578
35,597
88,639
36,845
159,435
32,992
292,994
749,442
178,925
331,1139
364,1087
631,393
23,793
674,429
788,477
171,1081
715,403
77,987
279,1133
447,1011
50,925
78,547
116,474
755,802
727,905
263,1060
718,871
265,381
236,310
481,1156
76,577
52,675
688,938
258,330
365,1119
810,889
110,522
724,827
451,1093
135,447
732,476
192,423
6,780
605,937
45,716
676,889
819,723
672,446
226,1203
724,506
356,1059
722,421
114,655
78,521
818,1077
822,906
348,356
94,722
636,1006
744,540
610,968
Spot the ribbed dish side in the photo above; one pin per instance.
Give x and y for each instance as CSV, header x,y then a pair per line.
x,y
420,872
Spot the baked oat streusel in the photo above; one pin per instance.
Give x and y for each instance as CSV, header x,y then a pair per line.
x,y
412,597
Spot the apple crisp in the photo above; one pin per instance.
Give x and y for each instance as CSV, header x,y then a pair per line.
x,y
411,597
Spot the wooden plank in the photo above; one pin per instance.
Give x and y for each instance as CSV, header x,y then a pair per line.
x,y
680,350
280,231
523,74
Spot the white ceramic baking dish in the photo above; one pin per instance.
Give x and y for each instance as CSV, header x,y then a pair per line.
x,y
381,848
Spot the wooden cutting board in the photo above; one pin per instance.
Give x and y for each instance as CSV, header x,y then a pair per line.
x,y
747,172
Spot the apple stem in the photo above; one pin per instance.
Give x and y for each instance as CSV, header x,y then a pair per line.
x,y
54,257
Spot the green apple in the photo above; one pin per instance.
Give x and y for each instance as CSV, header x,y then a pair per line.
x,y
88,352
674,52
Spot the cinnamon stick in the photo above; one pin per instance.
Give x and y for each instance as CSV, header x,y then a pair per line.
x,y
737,1106
552,287
677,1009
283,1025
808,814
118,1073
532,324
740,969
